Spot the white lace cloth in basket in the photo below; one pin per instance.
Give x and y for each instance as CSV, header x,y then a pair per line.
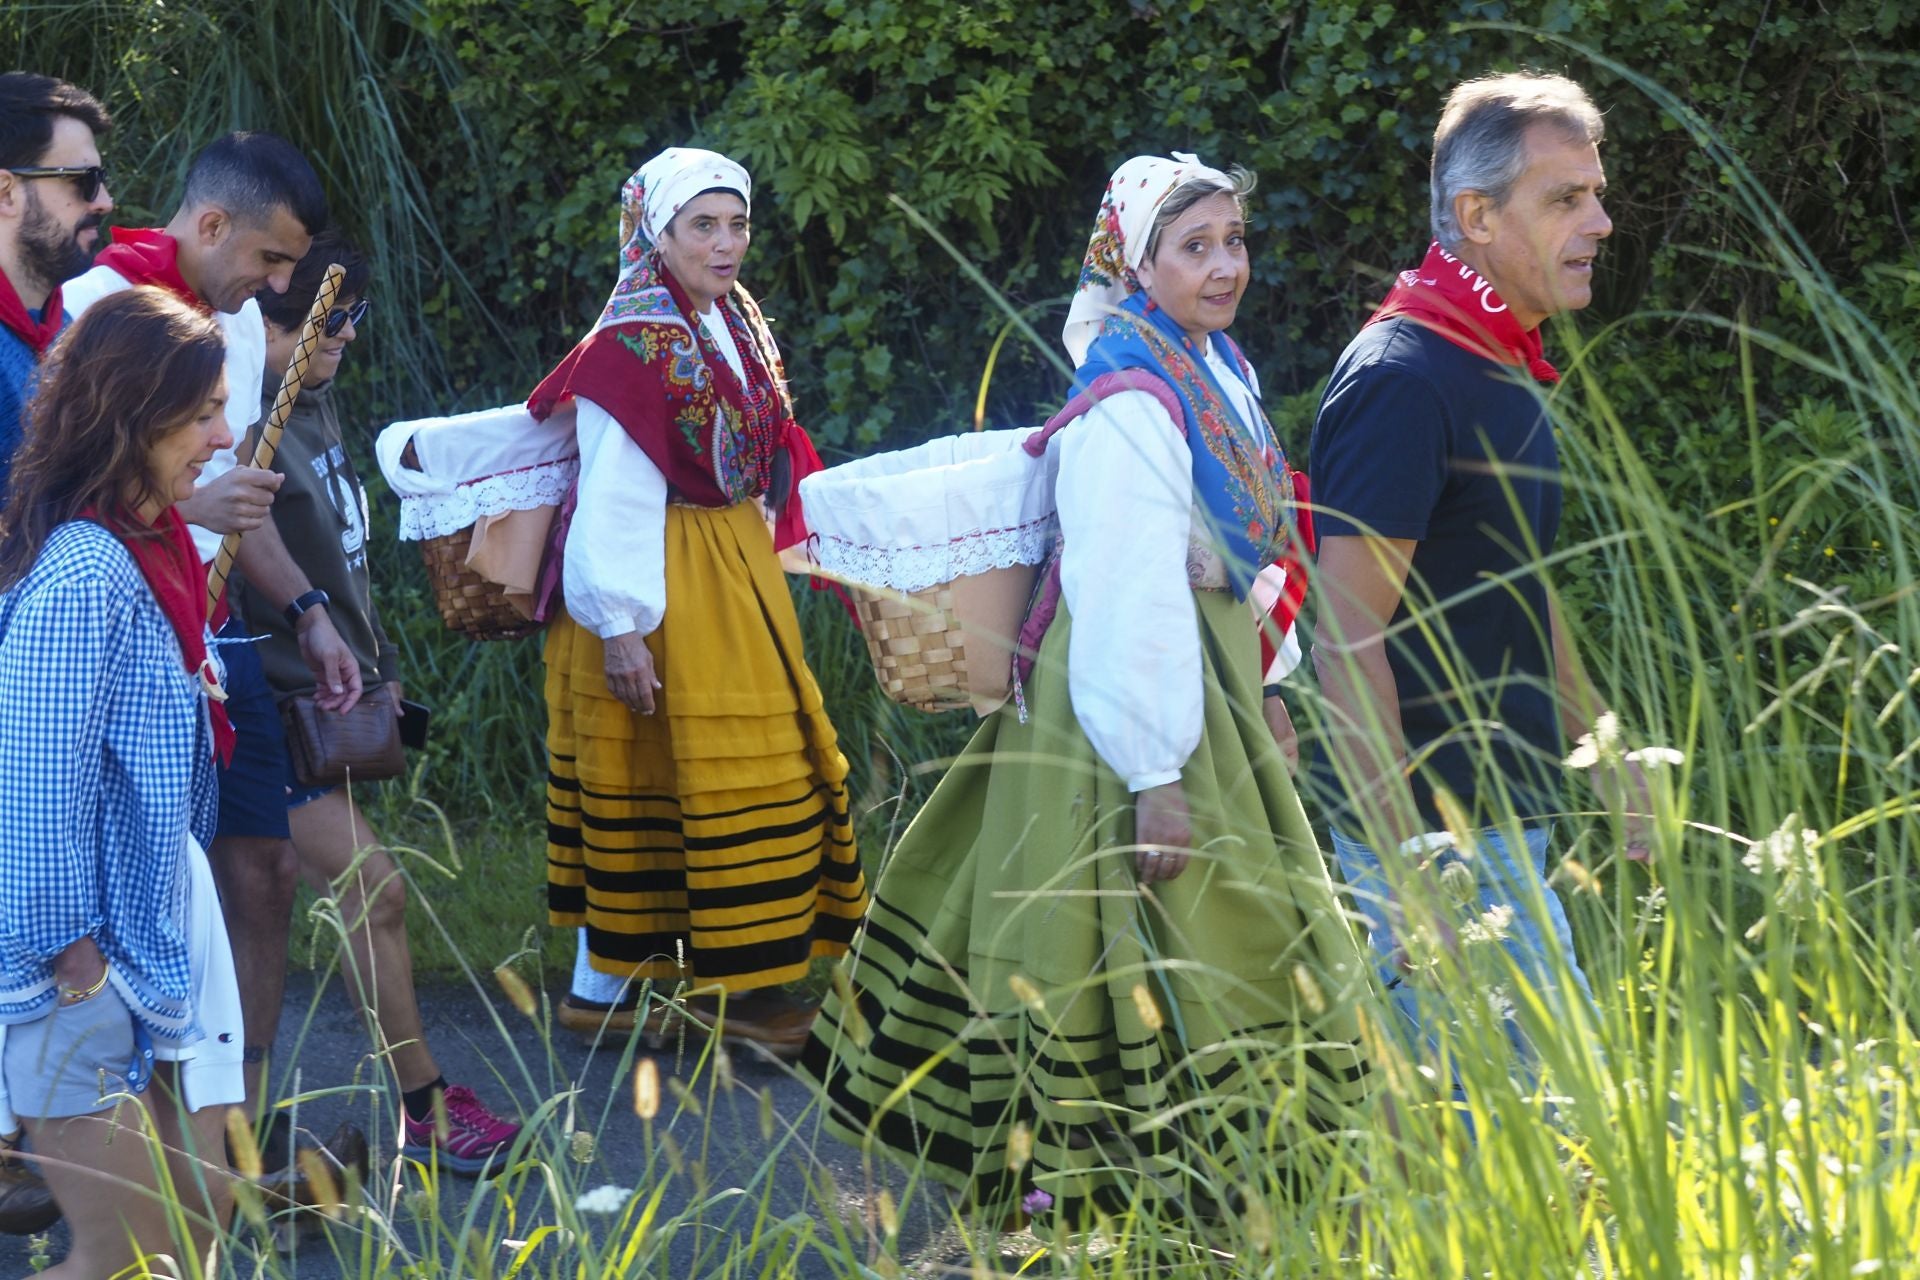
x,y
477,464
916,518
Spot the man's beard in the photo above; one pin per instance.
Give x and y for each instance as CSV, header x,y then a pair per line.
x,y
49,251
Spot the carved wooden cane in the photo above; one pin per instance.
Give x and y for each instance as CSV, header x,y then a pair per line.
x,y
269,443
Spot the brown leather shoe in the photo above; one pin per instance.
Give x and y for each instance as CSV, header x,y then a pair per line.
x,y
295,1184
585,1020
26,1202
768,1021
346,1153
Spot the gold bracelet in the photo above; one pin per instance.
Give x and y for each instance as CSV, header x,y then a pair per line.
x,y
79,997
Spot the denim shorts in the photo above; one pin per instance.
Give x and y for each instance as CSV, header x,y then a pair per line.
x,y
299,793
253,788
1538,938
68,1062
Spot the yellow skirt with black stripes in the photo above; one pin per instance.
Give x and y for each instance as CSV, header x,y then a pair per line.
x,y
708,842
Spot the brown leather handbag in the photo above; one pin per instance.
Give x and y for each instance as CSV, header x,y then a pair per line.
x,y
329,748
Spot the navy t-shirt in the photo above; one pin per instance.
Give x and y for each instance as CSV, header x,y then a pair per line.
x,y
1417,438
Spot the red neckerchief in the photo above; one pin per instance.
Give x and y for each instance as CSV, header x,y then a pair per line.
x,y
1458,303
171,565
149,256
38,334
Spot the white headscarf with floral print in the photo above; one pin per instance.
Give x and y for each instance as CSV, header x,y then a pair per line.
x,y
648,202
1134,195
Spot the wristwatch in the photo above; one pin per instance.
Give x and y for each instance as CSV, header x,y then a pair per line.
x,y
311,600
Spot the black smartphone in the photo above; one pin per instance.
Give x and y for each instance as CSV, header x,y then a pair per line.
x,y
413,724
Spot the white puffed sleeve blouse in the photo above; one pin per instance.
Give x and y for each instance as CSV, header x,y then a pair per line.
x,y
615,575
1125,496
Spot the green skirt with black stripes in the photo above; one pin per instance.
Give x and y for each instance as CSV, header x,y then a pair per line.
x,y
1019,1013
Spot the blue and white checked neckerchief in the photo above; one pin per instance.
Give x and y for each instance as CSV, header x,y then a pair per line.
x,y
106,764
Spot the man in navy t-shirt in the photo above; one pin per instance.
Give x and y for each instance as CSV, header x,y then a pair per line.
x,y
1436,483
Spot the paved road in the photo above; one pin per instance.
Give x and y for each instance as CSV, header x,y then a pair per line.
x,y
704,1151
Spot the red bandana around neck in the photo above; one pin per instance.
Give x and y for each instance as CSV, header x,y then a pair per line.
x,y
38,334
171,566
149,256
1462,306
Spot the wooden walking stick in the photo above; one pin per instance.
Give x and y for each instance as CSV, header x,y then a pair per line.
x,y
269,442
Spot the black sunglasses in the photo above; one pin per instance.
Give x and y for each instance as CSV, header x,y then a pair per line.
x,y
90,178
355,315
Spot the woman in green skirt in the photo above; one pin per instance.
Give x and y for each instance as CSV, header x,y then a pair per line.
x,y
1105,963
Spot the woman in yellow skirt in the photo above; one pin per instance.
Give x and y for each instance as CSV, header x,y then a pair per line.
x,y
696,801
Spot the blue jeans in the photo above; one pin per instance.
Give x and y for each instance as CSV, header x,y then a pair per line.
x,y
1538,939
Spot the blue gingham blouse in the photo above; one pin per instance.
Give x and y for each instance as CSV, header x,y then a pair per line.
x,y
106,765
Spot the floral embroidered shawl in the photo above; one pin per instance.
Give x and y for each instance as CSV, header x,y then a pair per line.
x,y
1240,479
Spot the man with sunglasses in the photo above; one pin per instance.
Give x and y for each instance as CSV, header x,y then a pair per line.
x,y
53,194
250,210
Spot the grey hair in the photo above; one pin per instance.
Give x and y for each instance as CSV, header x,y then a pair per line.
x,y
1480,143
1239,184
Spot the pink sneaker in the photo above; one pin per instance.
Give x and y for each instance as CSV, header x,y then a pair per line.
x,y
475,1137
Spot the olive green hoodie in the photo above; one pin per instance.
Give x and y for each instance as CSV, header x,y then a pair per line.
x,y
321,513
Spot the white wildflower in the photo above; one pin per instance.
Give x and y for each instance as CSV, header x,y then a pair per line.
x,y
603,1199
1656,757
1492,926
1789,856
1784,852
1591,747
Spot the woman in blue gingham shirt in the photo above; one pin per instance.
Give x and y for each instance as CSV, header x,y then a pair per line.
x,y
108,762
114,962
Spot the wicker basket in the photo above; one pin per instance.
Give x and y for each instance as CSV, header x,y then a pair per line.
x,y
922,649
940,544
919,648
468,603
